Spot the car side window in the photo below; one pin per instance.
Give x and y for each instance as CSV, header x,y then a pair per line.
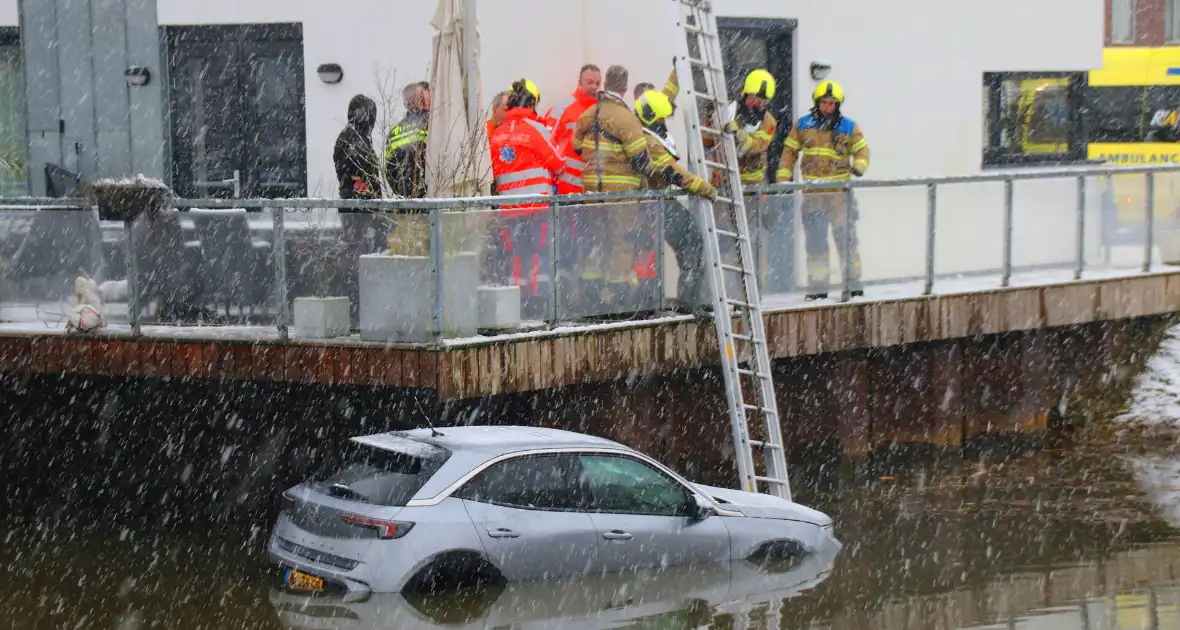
x,y
624,485
535,482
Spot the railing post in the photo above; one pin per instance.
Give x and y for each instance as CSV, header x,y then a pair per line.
x,y
436,270
554,254
280,264
1081,243
1006,272
1149,224
846,292
132,280
931,210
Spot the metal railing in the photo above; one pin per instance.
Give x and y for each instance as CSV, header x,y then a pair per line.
x,y
438,213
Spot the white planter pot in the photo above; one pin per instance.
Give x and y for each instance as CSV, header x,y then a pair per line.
x,y
1169,244
321,317
499,307
397,301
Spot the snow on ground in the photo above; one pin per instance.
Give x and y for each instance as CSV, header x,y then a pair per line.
x,y
1156,396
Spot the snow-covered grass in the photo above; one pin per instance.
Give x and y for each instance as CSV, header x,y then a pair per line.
x,y
1156,395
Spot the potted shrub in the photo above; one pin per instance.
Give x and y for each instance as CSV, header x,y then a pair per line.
x,y
321,315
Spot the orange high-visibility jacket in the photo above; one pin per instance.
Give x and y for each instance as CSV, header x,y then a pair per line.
x,y
568,112
523,160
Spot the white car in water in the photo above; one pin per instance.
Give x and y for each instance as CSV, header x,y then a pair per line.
x,y
424,510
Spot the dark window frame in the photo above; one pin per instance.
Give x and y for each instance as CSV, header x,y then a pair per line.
x,y
997,156
783,105
245,38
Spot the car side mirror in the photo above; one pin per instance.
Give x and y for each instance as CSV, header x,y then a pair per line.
x,y
699,509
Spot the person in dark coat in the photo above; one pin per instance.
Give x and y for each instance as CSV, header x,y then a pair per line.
x,y
357,168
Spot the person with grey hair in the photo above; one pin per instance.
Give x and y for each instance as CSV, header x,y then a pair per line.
x,y
405,150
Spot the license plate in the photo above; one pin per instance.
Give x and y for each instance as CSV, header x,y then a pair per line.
x,y
300,581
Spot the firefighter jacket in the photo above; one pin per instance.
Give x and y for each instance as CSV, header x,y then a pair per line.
x,y
667,169
613,146
523,160
754,132
829,152
405,155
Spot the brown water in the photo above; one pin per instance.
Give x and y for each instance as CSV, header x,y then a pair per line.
x,y
1075,538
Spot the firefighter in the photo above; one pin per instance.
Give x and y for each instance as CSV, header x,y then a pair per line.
x,y
524,163
833,149
614,148
681,231
753,126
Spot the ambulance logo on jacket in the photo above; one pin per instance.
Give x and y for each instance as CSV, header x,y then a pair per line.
x,y
507,154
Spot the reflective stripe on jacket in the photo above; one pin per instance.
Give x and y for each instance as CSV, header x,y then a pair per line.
x,y
826,154
568,112
613,146
523,160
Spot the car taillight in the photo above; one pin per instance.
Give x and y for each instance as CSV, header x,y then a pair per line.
x,y
288,501
385,529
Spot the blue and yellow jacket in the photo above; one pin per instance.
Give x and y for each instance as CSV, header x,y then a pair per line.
x,y
828,154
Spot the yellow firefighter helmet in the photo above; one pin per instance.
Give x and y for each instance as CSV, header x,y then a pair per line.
x,y
828,89
652,106
760,83
532,89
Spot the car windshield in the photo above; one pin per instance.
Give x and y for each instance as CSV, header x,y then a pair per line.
x,y
389,475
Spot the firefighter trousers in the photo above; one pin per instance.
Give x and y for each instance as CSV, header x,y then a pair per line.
x,y
837,210
523,253
683,235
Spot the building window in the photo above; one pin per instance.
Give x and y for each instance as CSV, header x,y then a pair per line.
x,y
1172,21
14,168
238,110
1122,21
1033,118
751,43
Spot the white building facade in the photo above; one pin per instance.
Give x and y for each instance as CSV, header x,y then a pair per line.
x,y
912,69
244,93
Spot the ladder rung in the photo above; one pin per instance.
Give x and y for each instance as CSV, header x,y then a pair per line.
x,y
752,373
736,268
740,304
724,199
746,338
698,30
733,235
712,164
781,482
761,444
700,63
762,410
711,131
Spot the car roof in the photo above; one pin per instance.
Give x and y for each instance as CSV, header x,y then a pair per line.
x,y
502,440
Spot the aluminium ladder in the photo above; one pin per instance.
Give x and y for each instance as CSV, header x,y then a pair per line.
x,y
699,66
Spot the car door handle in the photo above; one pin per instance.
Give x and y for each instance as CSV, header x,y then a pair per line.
x,y
616,534
502,532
